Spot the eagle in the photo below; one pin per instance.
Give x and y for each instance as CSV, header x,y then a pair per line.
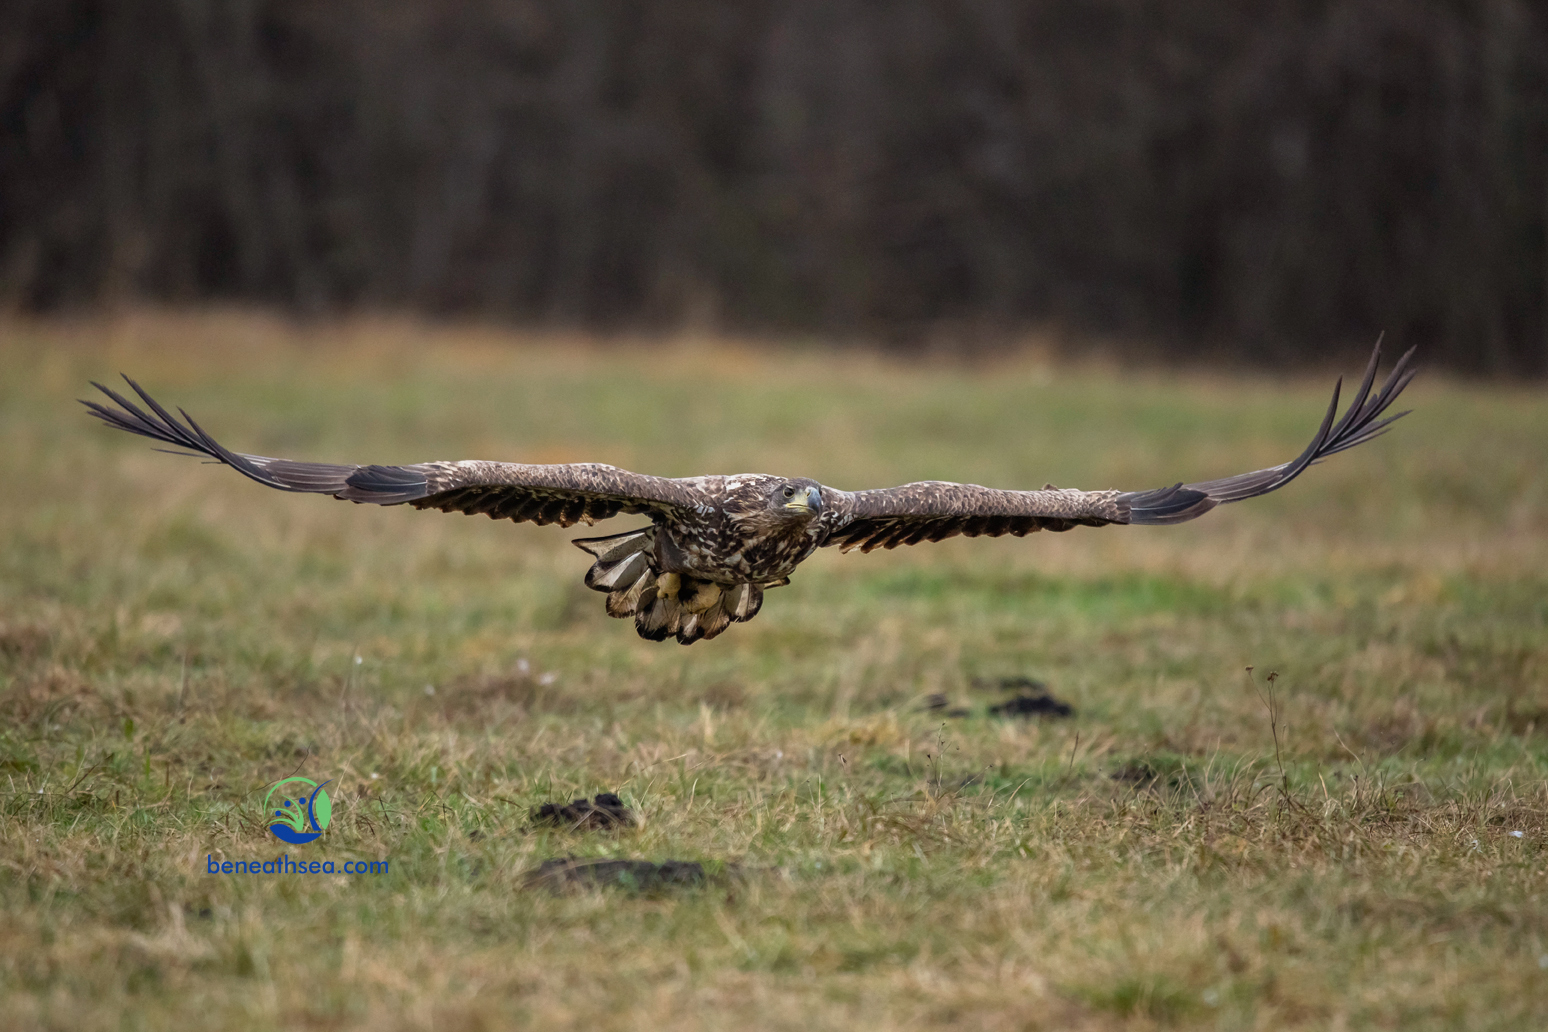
x,y
715,544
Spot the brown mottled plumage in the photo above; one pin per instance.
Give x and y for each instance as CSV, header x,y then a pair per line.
x,y
716,542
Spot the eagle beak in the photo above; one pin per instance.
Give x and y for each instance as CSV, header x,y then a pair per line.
x,y
809,501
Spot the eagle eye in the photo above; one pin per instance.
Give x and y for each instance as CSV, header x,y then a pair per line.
x,y
789,491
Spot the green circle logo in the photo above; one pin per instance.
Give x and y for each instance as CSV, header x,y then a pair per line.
x,y
298,809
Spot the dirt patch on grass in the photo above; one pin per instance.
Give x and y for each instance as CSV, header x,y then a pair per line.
x,y
1029,697
599,814
633,875
1033,706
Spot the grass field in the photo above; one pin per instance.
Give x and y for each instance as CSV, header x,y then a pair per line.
x,y
173,638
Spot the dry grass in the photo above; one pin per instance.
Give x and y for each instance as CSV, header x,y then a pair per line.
x,y
173,637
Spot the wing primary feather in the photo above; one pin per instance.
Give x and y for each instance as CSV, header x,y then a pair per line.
x,y
164,427
1360,423
133,420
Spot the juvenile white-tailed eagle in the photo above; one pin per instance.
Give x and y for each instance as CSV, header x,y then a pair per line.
x,y
716,542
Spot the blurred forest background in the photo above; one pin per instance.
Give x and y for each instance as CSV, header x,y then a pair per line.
x,y
1264,179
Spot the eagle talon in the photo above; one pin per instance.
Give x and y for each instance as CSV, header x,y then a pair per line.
x,y
703,595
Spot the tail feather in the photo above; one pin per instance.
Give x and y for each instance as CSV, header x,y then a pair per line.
x,y
618,546
714,619
625,601
625,568
663,607
742,602
621,573
657,616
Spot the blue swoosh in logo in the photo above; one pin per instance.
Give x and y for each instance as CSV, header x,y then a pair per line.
x,y
285,833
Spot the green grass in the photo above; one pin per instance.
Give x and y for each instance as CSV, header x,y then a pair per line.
x,y
173,638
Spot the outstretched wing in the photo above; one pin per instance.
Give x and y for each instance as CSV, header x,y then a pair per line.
x,y
565,494
932,511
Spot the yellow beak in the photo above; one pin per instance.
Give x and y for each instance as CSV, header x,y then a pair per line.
x,y
809,500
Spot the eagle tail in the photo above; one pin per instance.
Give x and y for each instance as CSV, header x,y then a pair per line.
x,y
663,607
618,546
618,574
624,568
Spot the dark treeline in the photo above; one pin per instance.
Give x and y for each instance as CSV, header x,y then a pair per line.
x,y
1267,178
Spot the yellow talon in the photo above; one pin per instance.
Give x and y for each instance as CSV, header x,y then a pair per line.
x,y
669,585
704,596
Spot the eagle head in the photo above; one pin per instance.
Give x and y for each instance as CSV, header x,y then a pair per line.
x,y
800,498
